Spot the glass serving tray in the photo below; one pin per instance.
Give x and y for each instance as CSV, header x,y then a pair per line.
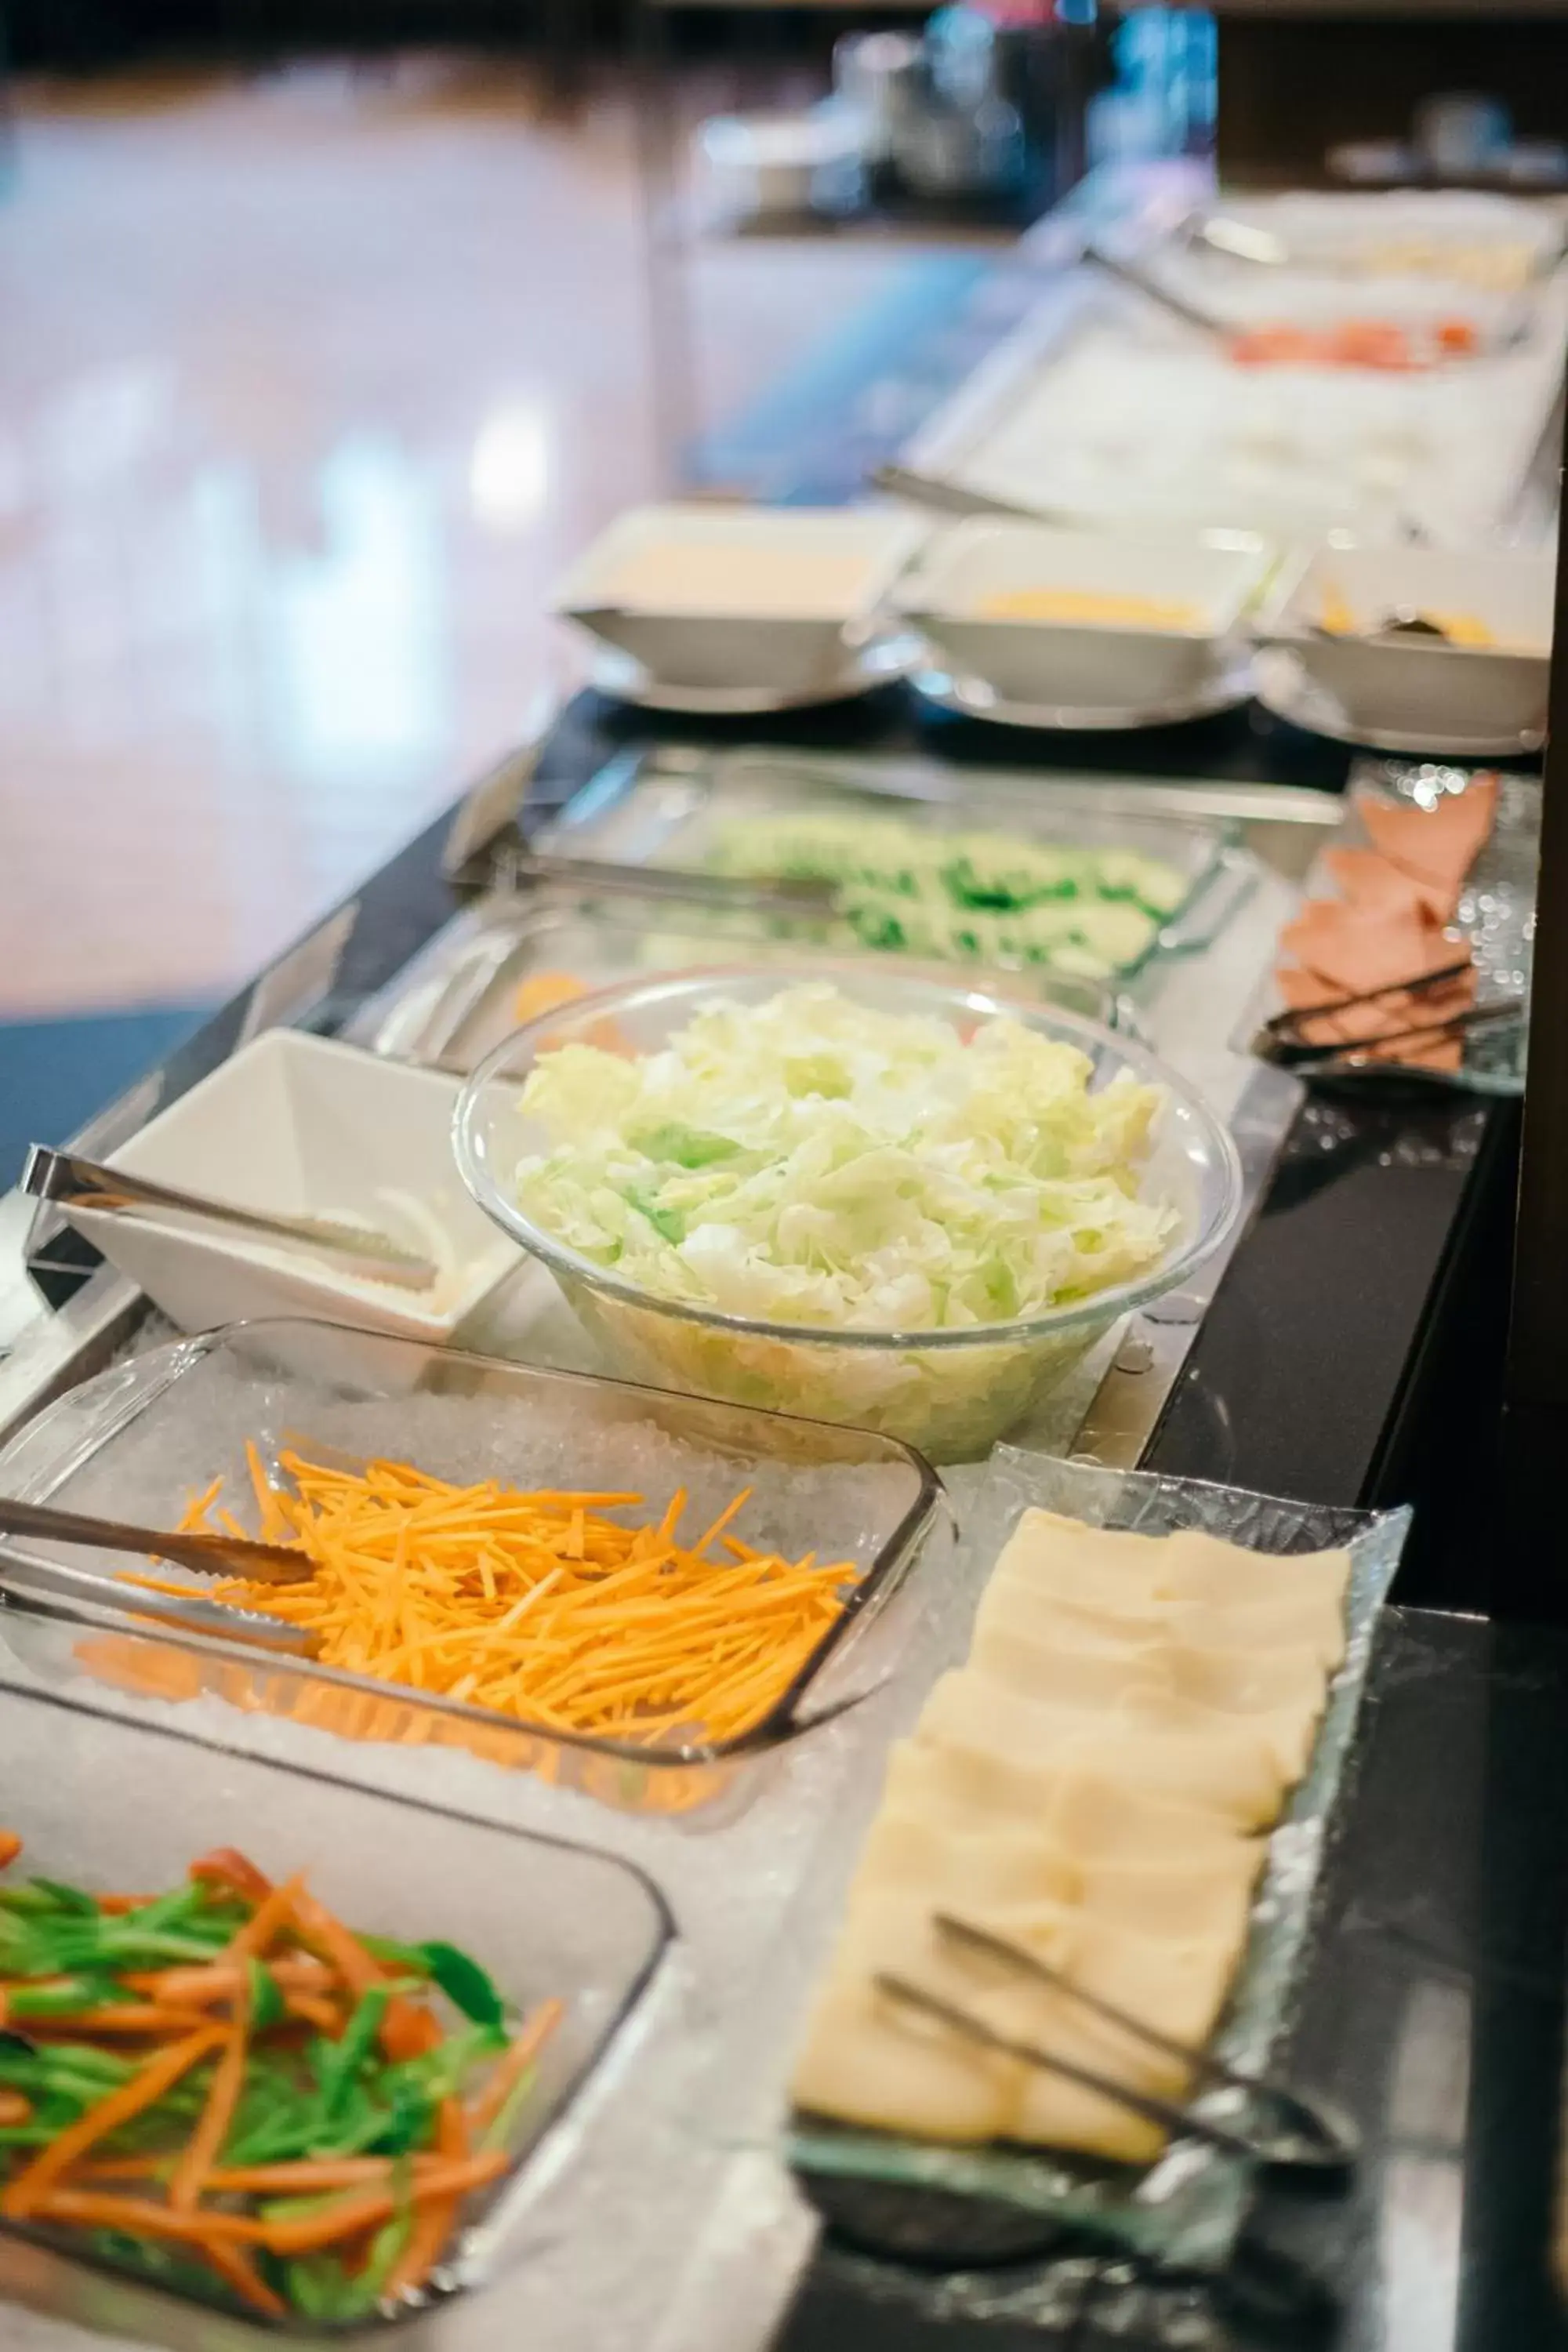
x,y
103,1802
140,1440
680,808
1495,916
951,2204
471,1001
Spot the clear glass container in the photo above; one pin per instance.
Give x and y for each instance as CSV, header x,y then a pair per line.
x,y
952,1392
104,1802
139,1441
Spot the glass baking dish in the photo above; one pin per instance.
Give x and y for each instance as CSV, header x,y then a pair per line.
x,y
483,988
141,1439
693,810
104,1802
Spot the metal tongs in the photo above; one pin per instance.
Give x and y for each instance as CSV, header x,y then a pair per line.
x,y
1308,2136
73,1182
1281,1041
206,1553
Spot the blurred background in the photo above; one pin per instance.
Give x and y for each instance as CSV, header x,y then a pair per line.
x,y
330,329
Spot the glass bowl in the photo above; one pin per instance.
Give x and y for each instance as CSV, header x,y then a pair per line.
x,y
951,1392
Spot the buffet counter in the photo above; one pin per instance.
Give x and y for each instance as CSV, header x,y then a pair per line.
x,y
1345,1354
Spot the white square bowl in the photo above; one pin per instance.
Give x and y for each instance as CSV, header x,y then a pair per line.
x,y
1414,685
1087,665
776,600
306,1126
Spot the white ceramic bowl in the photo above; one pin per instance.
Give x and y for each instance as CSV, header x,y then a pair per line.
x,y
1089,665
772,600
1414,686
306,1126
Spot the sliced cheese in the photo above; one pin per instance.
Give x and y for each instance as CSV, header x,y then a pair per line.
x,y
1195,1898
867,2061
1219,1763
1082,1811
1293,1620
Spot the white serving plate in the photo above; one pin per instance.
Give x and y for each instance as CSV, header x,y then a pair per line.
x,y
306,1127
1097,665
737,608
1413,687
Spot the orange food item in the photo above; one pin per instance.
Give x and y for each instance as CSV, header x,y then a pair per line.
x,y
545,992
1360,947
1367,878
541,1607
10,1847
1388,928
1440,844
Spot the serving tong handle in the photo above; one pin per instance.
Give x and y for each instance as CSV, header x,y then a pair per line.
x,y
1307,2137
43,1582
73,1182
785,894
1279,1040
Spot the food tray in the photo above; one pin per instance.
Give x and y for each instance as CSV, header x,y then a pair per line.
x,y
970,2204
1123,418
109,1803
138,1442
469,1004
1496,915
667,807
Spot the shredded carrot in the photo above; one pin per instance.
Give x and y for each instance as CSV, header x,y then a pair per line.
x,y
22,2196
15,2107
541,1607
301,2234
226,1866
531,2039
238,2269
433,2222
345,2217
10,1847
205,2146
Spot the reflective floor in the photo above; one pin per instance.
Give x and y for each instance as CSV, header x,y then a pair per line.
x,y
310,383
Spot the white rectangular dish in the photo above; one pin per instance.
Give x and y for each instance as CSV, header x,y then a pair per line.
x,y
1404,684
305,1126
772,600
1116,621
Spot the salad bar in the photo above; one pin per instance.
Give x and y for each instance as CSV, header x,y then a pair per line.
x,y
765,1586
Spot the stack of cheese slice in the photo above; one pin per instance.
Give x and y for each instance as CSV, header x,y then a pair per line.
x,y
1091,1786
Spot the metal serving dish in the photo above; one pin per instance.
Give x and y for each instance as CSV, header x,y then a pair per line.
x,y
108,1803
146,1435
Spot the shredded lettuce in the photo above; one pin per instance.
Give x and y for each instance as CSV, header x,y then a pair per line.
x,y
811,1160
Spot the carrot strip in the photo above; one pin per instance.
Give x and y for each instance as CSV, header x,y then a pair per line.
x,y
22,2196
347,2216
276,1907
239,2270
205,2143
226,1866
433,2222
531,2039
301,2234
94,2209
15,2107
